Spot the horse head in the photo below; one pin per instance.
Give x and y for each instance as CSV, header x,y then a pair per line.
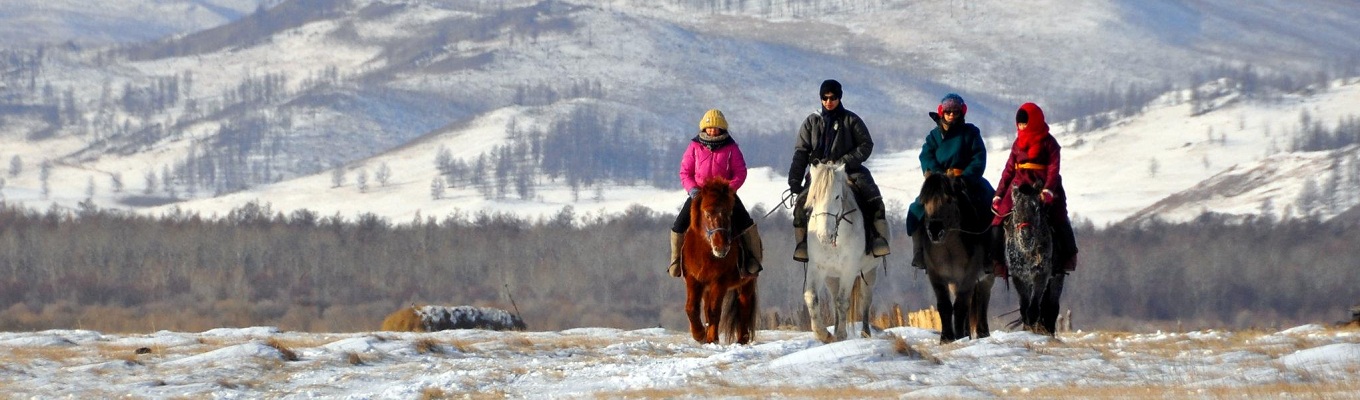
x,y
830,202
945,204
712,212
1028,212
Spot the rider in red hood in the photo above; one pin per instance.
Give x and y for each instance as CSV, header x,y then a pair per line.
x,y
1035,155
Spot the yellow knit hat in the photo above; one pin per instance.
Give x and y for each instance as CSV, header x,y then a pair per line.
x,y
713,119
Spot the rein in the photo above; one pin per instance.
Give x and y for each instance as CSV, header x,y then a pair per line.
x,y
787,200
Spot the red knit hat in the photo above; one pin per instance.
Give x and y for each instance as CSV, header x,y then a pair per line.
x,y
952,101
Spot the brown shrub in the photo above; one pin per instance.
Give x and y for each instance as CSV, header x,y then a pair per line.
x,y
403,320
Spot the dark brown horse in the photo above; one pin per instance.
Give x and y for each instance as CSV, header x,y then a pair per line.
x,y
711,260
1029,259
955,255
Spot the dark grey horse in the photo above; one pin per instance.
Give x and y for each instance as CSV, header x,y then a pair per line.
x,y
1029,259
955,253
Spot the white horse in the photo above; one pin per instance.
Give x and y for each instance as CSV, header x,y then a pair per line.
x,y
836,252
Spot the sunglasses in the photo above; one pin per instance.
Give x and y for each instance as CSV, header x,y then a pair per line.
x,y
830,98
951,112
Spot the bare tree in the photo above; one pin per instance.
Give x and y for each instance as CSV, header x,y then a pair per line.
x,y
167,181
16,165
116,182
150,180
89,189
443,160
337,175
437,188
361,180
45,176
384,174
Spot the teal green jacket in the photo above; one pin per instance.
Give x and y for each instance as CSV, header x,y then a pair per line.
x,y
963,149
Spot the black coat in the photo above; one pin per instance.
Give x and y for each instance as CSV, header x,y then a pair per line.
x,y
849,143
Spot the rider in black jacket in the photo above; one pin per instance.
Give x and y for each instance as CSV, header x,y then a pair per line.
x,y
837,134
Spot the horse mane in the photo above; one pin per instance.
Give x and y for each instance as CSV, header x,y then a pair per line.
x,y
713,189
941,187
935,187
1027,196
824,177
717,186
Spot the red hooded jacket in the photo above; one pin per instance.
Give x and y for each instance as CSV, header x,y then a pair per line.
x,y
1034,155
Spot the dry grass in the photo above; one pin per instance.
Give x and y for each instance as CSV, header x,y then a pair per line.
x,y
403,320
1329,390
431,393
427,346
731,391
904,348
287,352
58,354
353,358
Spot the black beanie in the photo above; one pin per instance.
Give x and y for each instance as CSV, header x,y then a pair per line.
x,y
1021,117
830,86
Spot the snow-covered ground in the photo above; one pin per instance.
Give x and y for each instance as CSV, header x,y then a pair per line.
x,y
262,362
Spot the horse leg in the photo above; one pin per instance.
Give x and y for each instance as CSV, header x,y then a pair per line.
x,y
814,306
713,305
864,287
945,305
693,295
982,298
1050,303
746,312
839,292
1025,292
963,307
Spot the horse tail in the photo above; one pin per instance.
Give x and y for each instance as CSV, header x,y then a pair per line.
x,y
739,320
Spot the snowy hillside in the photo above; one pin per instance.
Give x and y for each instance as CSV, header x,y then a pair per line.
x,y
35,22
296,106
1163,163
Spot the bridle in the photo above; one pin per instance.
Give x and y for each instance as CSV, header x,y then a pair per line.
x,y
710,232
838,218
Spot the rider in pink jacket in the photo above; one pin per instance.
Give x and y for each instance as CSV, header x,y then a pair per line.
x,y
713,153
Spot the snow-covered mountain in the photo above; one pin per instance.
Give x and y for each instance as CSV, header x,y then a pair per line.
x,y
79,22
295,105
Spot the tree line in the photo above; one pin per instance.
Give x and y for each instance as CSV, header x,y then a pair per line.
x,y
109,270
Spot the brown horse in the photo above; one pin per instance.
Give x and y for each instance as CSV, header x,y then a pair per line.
x,y
712,255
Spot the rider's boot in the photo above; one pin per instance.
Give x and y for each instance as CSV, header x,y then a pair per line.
x,y
881,238
677,242
918,252
755,251
800,251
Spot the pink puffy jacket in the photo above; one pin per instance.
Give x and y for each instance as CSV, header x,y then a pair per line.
x,y
699,164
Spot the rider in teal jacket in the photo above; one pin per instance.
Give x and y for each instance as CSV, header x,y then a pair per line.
x,y
956,148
